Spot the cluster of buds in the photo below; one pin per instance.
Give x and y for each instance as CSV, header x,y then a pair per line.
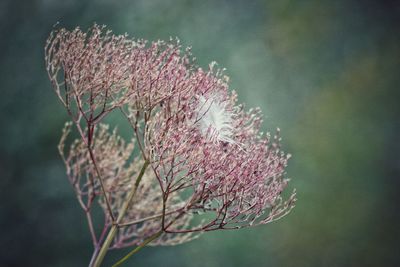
x,y
197,160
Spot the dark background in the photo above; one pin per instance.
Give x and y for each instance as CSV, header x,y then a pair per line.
x,y
325,72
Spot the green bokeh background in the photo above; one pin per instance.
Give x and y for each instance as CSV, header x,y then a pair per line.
x,y
325,72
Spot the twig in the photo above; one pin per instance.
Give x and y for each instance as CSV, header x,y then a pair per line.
x,y
147,241
114,228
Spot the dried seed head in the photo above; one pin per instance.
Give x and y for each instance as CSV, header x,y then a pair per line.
x,y
207,154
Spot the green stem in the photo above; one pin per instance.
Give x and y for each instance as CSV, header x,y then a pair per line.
x,y
148,240
110,237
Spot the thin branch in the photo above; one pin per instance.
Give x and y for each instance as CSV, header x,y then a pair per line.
x,y
101,183
91,228
114,228
147,241
148,218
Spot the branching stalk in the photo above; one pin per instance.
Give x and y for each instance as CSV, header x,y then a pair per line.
x,y
101,183
135,250
114,228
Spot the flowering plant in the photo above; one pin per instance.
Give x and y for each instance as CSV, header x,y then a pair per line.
x,y
197,161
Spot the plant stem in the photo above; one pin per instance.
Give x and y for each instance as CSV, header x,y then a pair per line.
x,y
94,255
103,189
148,240
114,228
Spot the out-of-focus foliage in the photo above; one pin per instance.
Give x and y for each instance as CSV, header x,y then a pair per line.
x,y
325,72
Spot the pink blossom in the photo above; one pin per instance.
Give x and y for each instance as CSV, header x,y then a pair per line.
x,y
206,154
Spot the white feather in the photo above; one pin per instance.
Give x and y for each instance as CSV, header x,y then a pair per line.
x,y
215,121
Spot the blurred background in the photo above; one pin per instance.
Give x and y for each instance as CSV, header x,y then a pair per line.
x,y
325,72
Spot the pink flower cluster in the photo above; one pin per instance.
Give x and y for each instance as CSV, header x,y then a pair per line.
x,y
206,144
205,153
